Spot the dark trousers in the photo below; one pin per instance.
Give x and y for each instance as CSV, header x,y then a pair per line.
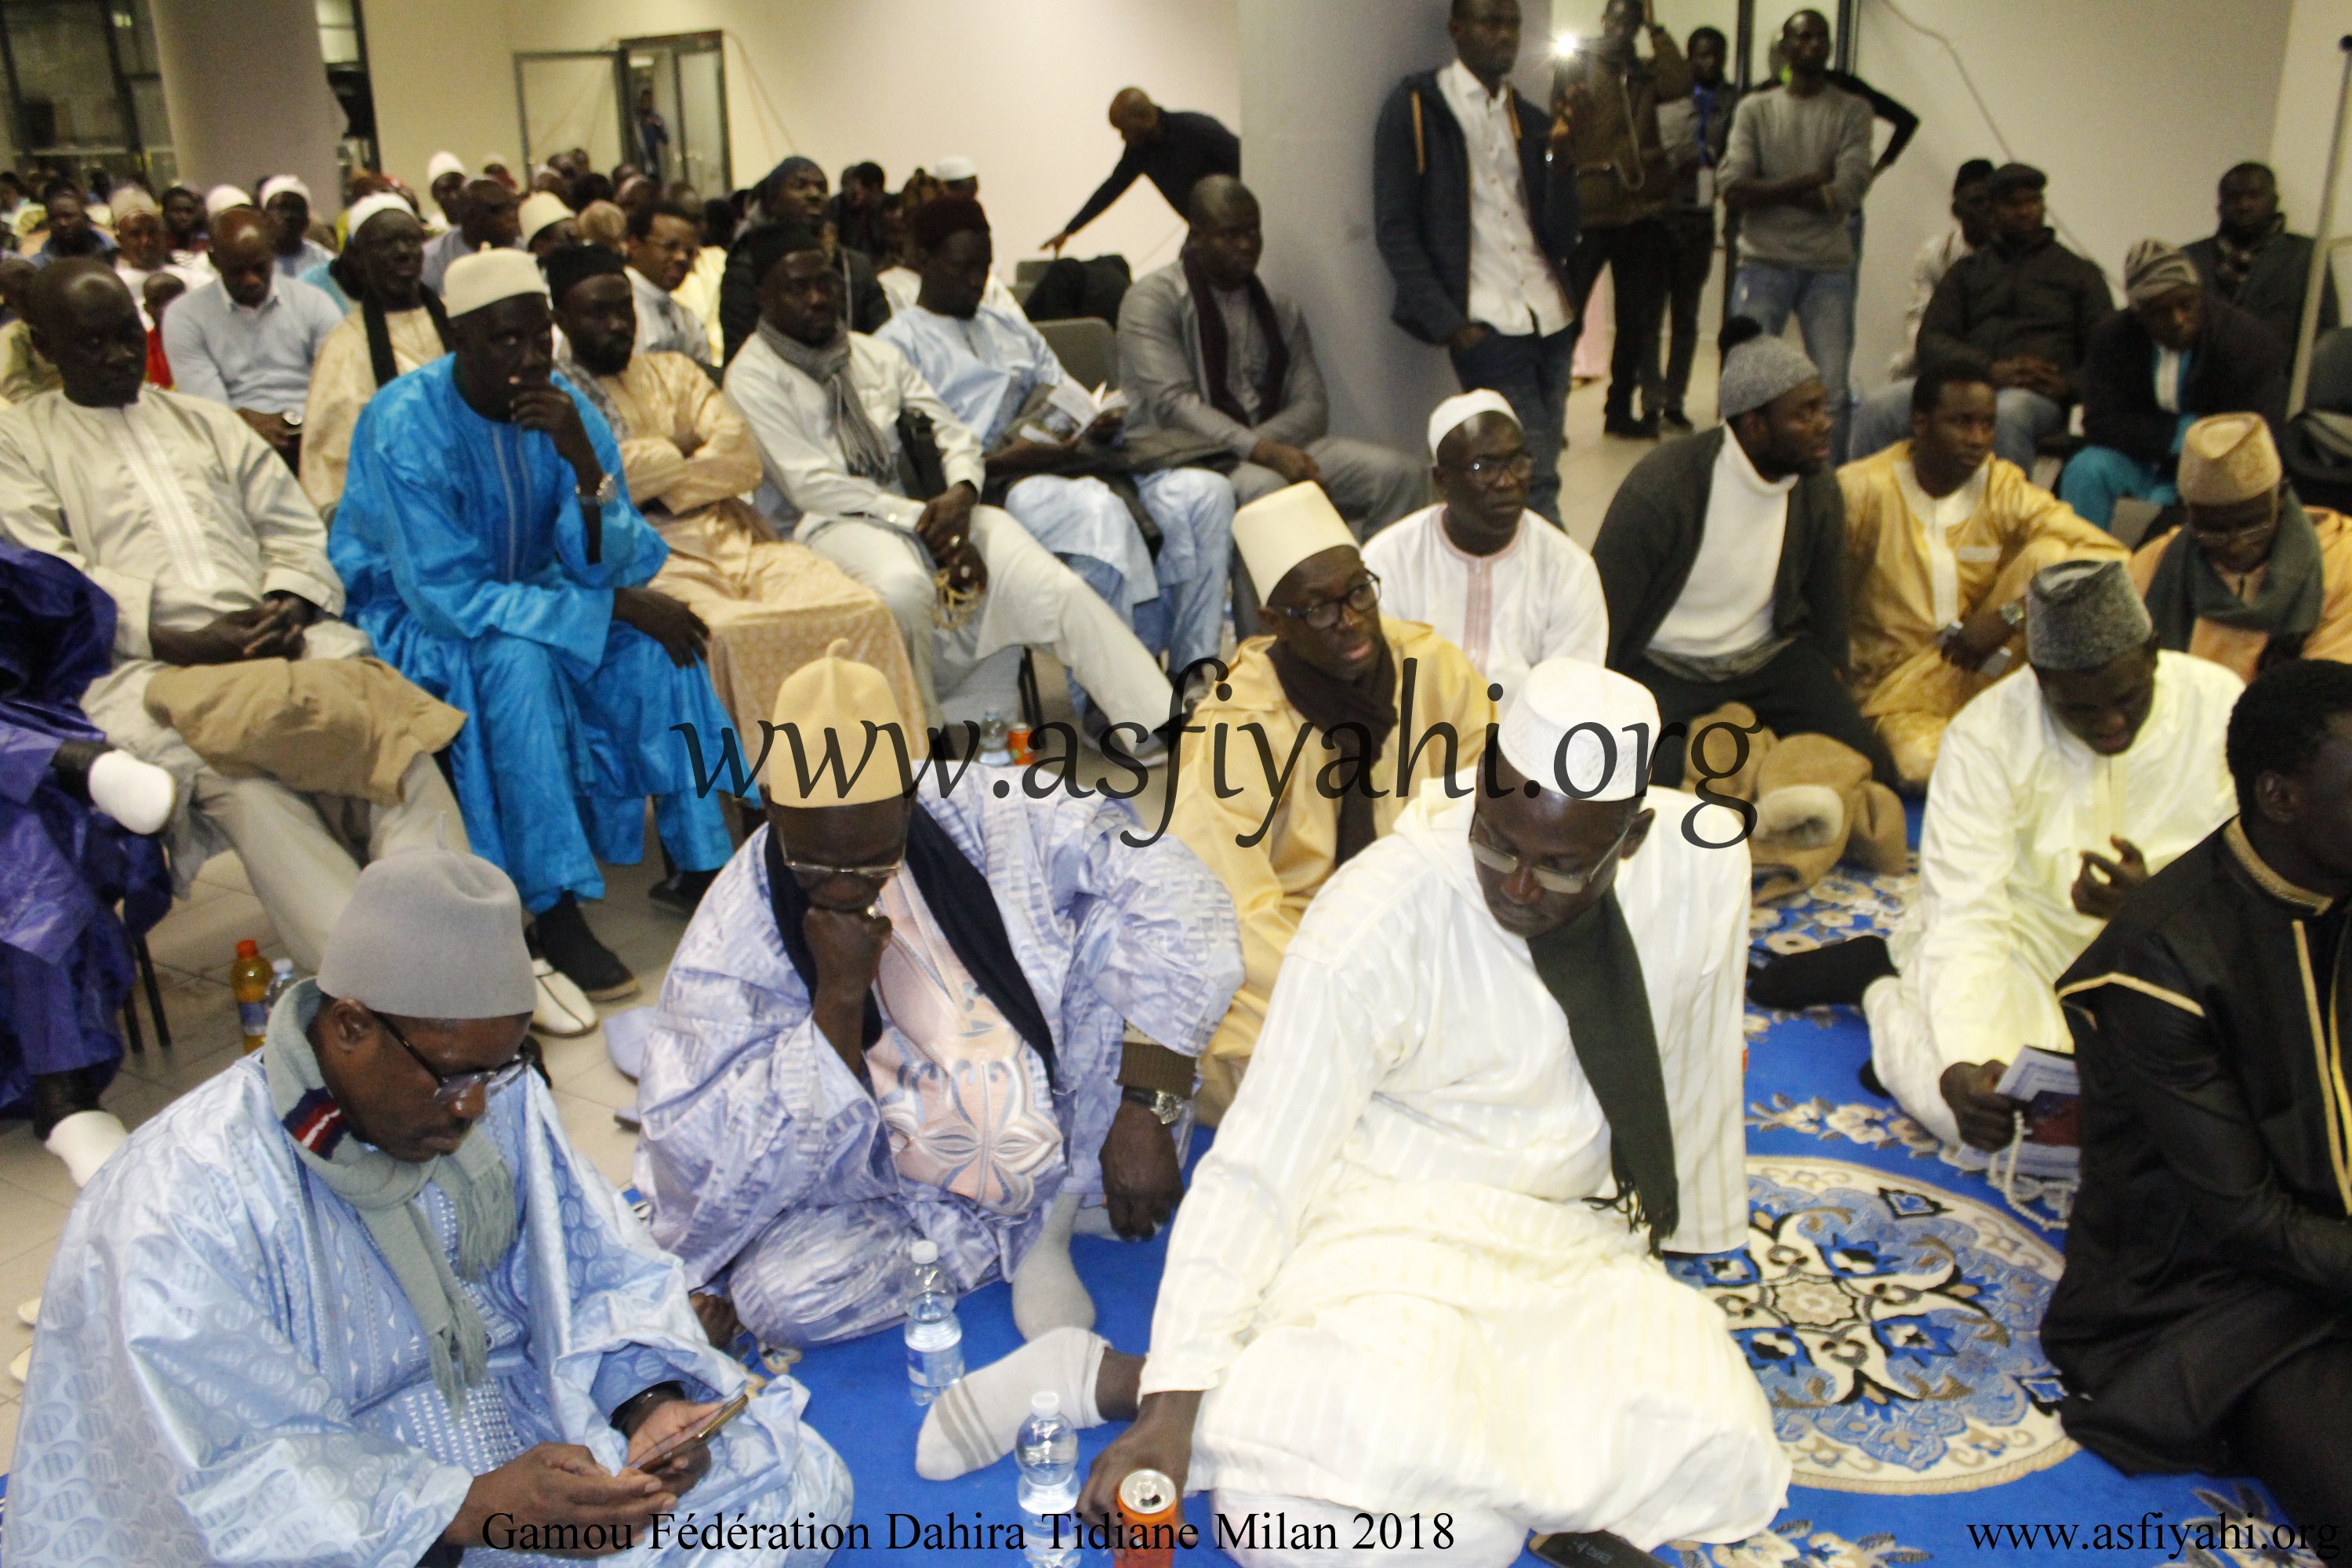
x,y
2289,1433
1694,241
1640,257
1531,373
1797,693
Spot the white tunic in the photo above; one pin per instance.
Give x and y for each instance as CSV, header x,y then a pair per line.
x,y
2014,800
1538,597
1386,1275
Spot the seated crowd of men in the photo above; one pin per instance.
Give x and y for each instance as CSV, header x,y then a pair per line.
x,y
398,567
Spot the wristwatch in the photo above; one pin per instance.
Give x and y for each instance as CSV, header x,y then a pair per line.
x,y
602,496
2014,614
1159,1101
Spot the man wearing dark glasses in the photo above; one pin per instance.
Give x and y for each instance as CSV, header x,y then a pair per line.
x,y
359,1299
1312,744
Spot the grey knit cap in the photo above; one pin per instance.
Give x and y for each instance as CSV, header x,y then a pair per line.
x,y
2080,614
431,932
1758,371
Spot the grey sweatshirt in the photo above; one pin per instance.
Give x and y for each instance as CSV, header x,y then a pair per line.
x,y
1775,134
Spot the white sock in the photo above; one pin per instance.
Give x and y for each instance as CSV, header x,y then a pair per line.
x,y
1047,1293
135,794
974,1423
84,1140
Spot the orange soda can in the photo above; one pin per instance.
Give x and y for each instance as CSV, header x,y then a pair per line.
x,y
1016,741
1147,1498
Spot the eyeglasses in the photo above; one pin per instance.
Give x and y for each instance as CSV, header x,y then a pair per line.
x,y
2230,535
1508,865
449,1087
813,874
1324,613
1518,466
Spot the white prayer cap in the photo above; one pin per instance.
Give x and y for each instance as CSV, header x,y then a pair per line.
x,y
278,185
539,209
1554,727
828,702
443,164
486,276
220,198
1277,532
368,206
1459,410
957,167
431,932
125,200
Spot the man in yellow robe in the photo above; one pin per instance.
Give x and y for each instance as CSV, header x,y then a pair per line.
x,y
771,607
398,327
1276,793
1942,538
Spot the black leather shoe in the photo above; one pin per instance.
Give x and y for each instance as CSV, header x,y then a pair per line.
x,y
1643,429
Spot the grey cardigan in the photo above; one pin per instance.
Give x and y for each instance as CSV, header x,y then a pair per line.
x,y
1650,536
1160,370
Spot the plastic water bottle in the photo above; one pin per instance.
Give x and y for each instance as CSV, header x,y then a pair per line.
x,y
281,981
1047,1452
934,1338
995,733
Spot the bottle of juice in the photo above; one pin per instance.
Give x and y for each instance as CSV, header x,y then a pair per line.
x,y
248,978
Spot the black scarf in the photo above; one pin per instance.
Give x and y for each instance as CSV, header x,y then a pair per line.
x,y
1354,718
379,331
2186,589
958,897
1592,971
1215,351
2236,259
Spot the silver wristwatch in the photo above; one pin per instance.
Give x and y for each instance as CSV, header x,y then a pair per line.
x,y
1159,1101
602,496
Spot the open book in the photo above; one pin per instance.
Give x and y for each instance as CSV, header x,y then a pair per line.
x,y
2050,1089
1069,408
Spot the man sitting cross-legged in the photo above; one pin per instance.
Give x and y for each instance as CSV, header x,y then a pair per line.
x,y
358,1300
2054,797
826,405
954,1012
497,562
1941,537
1313,744
994,372
1496,580
1419,1268
689,459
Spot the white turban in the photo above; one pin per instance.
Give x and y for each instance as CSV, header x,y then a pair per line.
x,y
278,185
539,209
837,697
220,198
443,164
1582,730
486,276
368,206
1277,532
1459,410
955,168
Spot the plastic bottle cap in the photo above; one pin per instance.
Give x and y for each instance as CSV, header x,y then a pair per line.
x,y
281,966
1045,1402
248,948
925,1252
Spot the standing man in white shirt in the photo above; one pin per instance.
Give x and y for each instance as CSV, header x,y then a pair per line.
x,y
1475,212
1495,580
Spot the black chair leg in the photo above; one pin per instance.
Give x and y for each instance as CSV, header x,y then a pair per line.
x,y
131,1035
154,996
1033,707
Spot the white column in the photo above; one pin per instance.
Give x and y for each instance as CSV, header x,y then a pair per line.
x,y
1314,76
246,87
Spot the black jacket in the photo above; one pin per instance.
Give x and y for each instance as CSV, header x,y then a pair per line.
x,y
2040,298
748,260
1420,203
1650,536
2273,292
2236,367
2209,1242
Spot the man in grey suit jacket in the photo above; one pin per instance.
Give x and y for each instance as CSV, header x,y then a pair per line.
x,y
1241,377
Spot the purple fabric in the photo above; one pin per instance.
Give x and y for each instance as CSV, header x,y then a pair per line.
x,y
65,955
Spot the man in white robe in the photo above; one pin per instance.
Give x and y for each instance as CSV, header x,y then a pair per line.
x,y
964,580
358,1300
1503,583
2056,791
997,374
1412,1274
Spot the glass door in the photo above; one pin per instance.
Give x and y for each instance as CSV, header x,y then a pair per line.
x,y
570,97
676,88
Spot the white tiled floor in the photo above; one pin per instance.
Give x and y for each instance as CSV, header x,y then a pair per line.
x,y
194,946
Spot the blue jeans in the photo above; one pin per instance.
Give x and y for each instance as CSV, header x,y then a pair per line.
x,y
2098,476
1531,373
1822,303
2020,418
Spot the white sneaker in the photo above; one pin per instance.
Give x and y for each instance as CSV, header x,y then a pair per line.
x,y
139,796
561,1009
23,1364
84,1141
30,1313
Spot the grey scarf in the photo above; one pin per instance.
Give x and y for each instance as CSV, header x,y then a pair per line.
x,y
593,389
476,1180
870,454
2186,589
